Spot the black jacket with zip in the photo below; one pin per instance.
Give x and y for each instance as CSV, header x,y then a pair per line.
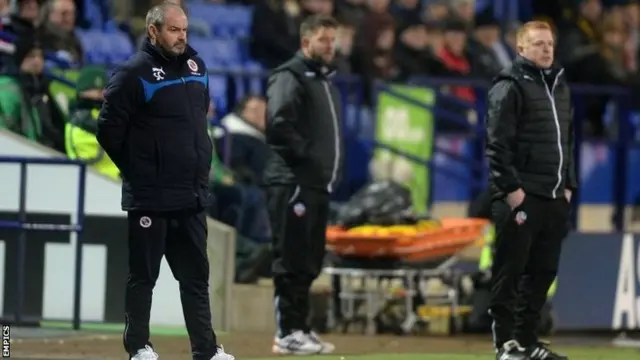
x,y
530,136
303,126
153,125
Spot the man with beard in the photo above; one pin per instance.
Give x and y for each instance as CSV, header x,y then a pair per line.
x,y
153,125
304,166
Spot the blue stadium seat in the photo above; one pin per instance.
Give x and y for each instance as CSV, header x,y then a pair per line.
x,y
204,51
92,46
222,51
242,17
121,47
226,21
105,48
218,92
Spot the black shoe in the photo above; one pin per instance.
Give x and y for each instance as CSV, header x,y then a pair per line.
x,y
540,351
511,350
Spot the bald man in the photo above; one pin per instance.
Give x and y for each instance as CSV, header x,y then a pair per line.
x,y
153,125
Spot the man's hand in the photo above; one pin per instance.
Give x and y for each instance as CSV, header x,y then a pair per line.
x,y
516,198
567,195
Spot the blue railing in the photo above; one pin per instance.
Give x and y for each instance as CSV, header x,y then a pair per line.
x,y
24,226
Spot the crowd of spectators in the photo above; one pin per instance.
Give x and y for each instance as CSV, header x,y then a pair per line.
x,y
395,40
386,40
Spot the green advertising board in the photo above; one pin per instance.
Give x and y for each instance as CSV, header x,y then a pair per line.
x,y
407,128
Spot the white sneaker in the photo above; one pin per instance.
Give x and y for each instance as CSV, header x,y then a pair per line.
x,y
145,354
327,347
221,355
296,343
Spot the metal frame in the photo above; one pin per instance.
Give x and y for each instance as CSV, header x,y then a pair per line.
x,y
23,226
355,286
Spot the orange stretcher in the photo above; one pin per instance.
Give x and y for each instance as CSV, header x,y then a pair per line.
x,y
441,238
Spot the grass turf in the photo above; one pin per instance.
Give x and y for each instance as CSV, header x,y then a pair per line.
x,y
574,353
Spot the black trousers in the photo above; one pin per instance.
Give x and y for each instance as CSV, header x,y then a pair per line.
x,y
525,263
182,238
298,222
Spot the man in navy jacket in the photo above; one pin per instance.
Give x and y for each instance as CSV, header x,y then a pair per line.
x,y
153,125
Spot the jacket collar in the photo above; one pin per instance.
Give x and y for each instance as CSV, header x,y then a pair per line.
x,y
159,56
532,69
318,68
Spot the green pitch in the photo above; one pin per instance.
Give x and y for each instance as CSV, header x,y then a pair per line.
x,y
582,353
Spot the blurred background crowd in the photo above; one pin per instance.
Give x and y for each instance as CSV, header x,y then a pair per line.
x,y
56,55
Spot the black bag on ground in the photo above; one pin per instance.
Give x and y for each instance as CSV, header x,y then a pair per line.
x,y
379,203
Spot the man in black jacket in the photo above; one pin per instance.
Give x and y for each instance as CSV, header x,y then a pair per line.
x,y
531,154
153,125
304,166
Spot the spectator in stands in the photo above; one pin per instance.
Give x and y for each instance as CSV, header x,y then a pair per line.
x,y
80,132
23,17
435,36
406,10
274,31
26,105
344,43
245,127
378,6
228,206
485,45
311,7
578,43
373,57
454,58
5,8
463,9
375,42
436,10
351,11
614,53
414,55
510,44
632,20
21,20
59,20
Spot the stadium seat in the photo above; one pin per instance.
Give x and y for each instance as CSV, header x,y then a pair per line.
x,y
105,48
222,51
226,21
92,46
121,47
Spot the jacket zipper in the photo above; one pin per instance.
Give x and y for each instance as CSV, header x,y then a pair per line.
x,y
195,139
336,137
550,94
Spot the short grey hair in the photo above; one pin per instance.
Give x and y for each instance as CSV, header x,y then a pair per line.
x,y
156,15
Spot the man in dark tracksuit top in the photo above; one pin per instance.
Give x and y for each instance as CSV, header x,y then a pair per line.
x,y
153,126
304,133
531,158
